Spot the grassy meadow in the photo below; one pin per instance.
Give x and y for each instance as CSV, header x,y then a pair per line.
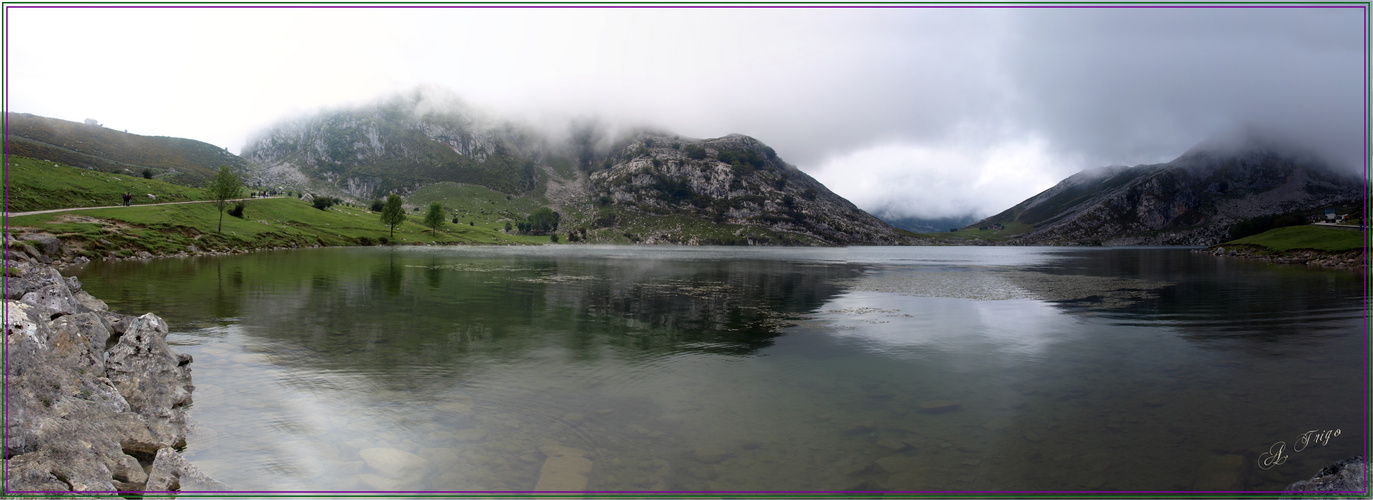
x,y
42,185
267,223
1295,238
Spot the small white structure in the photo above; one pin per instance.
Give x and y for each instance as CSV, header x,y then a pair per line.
x,y
91,121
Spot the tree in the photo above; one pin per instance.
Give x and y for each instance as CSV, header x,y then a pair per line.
x,y
434,219
393,214
543,219
223,187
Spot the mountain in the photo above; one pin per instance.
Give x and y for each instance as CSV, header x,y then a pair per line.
x,y
734,182
91,146
642,186
1193,200
928,225
397,145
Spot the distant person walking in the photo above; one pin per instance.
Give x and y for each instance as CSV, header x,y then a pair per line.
x,y
127,199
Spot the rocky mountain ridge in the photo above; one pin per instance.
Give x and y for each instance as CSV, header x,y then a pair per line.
x,y
650,186
1193,200
734,180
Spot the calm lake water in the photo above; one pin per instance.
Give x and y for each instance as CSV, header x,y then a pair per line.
x,y
724,369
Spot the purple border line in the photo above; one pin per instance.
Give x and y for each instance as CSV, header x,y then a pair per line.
x,y
4,344
1366,426
1366,89
688,6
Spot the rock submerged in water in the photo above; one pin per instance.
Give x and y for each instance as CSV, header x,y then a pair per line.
x,y
565,469
94,397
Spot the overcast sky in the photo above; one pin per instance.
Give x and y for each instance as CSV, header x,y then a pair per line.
x,y
923,112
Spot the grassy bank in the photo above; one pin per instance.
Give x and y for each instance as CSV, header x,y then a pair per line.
x,y
1302,238
268,223
43,185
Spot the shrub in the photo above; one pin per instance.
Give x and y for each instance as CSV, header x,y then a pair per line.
x,y
365,241
382,240
324,202
553,237
378,204
147,173
695,152
237,210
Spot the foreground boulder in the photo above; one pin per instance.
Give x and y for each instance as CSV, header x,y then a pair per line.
x,y
94,396
1348,475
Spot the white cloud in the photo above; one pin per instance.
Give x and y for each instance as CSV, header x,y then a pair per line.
x,y
942,109
944,180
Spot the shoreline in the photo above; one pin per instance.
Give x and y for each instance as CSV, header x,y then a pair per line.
x,y
1352,260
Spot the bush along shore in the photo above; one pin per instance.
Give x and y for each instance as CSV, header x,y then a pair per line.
x,y
96,401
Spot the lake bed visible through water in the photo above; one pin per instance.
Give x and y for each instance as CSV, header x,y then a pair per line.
x,y
651,368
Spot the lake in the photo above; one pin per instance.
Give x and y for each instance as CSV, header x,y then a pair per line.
x,y
646,368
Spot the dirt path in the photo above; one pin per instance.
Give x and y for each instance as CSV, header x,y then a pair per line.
x,y
17,214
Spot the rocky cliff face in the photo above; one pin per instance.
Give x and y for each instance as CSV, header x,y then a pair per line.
x,y
734,180
1193,200
95,400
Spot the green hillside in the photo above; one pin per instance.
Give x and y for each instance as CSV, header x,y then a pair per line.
x,y
42,185
1284,239
182,161
479,205
267,223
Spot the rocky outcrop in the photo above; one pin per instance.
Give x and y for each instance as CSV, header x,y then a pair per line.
x,y
1347,476
93,396
734,180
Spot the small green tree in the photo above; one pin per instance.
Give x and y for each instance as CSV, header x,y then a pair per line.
x,y
223,187
543,219
434,219
393,214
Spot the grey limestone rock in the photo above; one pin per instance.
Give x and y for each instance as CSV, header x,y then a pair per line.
x,y
91,393
46,243
171,472
155,380
1348,475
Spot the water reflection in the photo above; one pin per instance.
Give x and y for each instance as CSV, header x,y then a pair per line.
x,y
743,370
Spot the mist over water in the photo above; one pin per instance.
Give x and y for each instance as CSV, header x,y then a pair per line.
x,y
728,369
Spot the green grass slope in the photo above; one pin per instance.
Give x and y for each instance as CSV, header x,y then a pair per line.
x,y
183,161
1294,238
267,223
43,185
